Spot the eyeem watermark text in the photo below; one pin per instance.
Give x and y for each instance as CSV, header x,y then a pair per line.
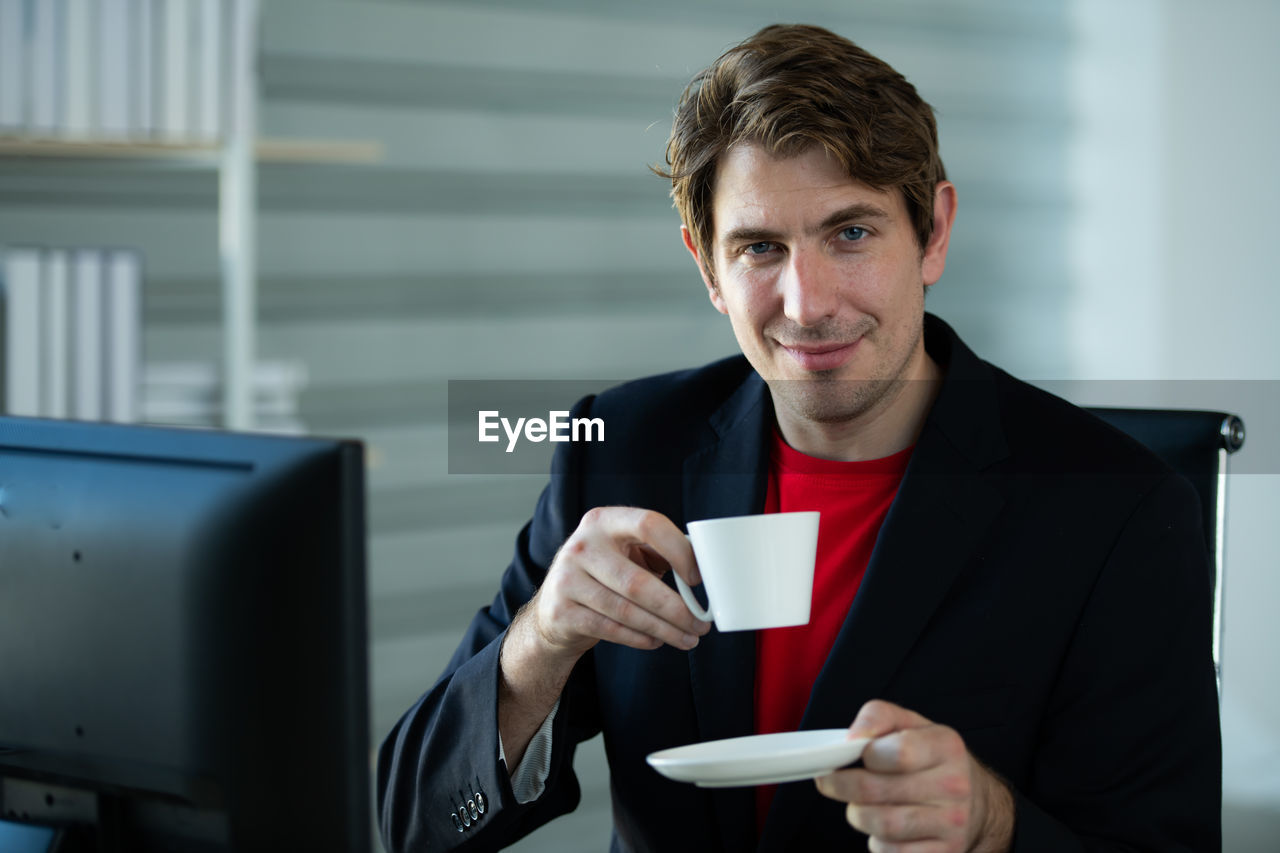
x,y
517,426
557,427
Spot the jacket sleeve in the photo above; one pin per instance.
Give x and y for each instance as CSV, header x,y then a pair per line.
x,y
1130,754
440,782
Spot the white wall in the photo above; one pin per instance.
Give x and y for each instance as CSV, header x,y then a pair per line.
x,y
1176,189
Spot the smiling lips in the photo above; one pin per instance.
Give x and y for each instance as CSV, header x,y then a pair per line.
x,y
821,356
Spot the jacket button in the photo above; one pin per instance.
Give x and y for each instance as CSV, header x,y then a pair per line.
x,y
480,802
466,818
475,811
457,821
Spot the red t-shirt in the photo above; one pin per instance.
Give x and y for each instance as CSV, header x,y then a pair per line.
x,y
854,498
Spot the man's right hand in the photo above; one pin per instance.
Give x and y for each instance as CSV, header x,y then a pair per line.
x,y
605,583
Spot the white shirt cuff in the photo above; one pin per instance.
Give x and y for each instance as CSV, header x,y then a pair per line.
x,y
530,779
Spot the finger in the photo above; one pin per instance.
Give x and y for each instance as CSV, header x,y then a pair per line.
x,y
633,525
571,614
626,594
621,546
636,586
652,561
938,786
914,750
878,717
897,824
658,545
875,845
592,623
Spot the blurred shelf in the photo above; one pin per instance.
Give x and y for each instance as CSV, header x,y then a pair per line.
x,y
268,150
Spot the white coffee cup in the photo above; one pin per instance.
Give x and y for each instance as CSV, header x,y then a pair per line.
x,y
757,569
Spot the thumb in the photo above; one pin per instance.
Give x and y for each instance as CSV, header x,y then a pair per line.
x,y
878,718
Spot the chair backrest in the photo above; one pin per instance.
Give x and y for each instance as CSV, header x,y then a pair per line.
x,y
1196,444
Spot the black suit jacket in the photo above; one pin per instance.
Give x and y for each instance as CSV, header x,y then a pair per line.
x,y
1040,584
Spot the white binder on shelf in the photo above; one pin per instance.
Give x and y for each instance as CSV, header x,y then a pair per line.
x,y
176,78
45,45
54,341
143,82
207,49
123,299
13,67
87,334
115,56
21,290
78,66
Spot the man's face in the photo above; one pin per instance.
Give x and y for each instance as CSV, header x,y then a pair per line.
x,y
823,281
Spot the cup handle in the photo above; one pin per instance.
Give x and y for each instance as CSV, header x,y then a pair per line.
x,y
689,601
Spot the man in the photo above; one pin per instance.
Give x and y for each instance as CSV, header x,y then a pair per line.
x,y
1011,599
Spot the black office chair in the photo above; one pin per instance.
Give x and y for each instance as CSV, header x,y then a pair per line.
x,y
1195,444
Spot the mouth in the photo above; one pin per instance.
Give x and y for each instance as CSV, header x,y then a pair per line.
x,y
821,356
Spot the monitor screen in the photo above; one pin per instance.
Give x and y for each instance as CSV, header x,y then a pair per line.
x,y
183,644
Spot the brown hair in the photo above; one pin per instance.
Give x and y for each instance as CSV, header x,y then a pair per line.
x,y
791,87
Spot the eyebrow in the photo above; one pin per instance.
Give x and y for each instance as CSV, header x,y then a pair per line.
x,y
861,210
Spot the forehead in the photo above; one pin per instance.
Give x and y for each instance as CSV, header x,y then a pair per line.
x,y
755,189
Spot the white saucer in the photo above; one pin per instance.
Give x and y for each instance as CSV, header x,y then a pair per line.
x,y
759,759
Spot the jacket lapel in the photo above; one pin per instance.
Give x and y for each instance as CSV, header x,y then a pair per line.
x,y
726,477
936,522
939,517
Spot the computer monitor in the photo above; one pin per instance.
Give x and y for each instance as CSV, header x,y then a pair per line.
x,y
183,644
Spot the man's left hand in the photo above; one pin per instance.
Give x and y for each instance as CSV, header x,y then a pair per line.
x,y
919,790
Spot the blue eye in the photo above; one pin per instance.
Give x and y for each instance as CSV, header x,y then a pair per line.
x,y
854,233
759,248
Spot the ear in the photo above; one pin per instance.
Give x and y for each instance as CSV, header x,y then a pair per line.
x,y
712,291
944,216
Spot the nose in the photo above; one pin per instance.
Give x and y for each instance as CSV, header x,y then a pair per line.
x,y
808,289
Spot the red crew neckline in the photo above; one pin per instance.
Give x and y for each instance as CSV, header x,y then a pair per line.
x,y
794,461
